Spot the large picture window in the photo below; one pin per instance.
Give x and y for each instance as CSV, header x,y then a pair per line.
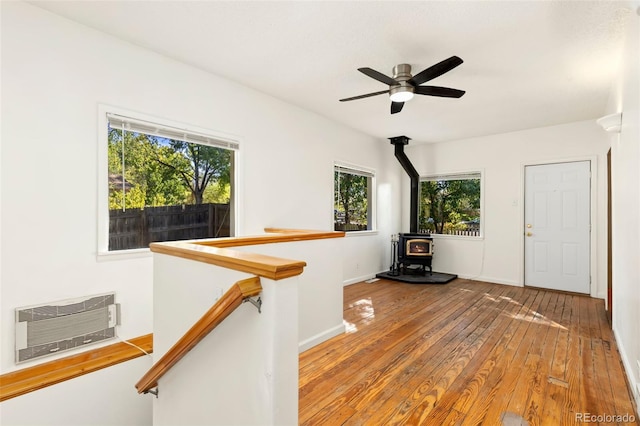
x,y
166,183
450,204
353,200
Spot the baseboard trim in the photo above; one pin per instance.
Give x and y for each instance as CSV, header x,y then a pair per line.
x,y
320,337
463,276
357,279
628,369
490,280
50,373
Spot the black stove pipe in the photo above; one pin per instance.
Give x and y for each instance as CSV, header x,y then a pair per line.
x,y
399,142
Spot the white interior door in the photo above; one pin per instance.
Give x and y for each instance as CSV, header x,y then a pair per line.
x,y
558,226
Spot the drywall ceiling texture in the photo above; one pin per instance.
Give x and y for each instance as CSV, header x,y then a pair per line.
x,y
527,64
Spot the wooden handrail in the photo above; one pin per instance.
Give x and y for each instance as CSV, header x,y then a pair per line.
x,y
271,236
219,251
271,267
219,311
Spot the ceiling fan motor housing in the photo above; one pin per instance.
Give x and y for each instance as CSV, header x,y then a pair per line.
x,y
402,74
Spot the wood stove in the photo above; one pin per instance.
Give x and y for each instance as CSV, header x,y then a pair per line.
x,y
415,249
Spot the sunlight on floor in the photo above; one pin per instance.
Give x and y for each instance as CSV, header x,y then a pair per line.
x,y
527,315
364,313
533,316
349,327
364,310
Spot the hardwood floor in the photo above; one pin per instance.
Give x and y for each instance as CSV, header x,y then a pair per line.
x,y
465,353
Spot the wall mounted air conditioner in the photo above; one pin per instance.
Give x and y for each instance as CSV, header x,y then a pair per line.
x,y
54,327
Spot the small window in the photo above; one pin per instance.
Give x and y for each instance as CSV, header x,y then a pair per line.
x,y
165,184
450,204
353,199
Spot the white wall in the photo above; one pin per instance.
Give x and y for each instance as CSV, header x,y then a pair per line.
x,y
498,257
245,372
362,248
625,159
101,398
54,75
319,287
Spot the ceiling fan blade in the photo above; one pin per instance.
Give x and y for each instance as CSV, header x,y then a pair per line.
x,y
435,70
396,107
364,96
444,92
378,76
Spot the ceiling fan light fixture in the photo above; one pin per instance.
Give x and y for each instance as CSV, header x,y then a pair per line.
x,y
403,85
401,94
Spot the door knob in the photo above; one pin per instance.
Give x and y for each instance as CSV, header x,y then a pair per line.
x,y
528,225
529,234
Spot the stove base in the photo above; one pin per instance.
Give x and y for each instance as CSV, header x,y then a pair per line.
x,y
412,278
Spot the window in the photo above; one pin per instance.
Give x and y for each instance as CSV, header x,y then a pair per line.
x,y
450,204
353,199
165,183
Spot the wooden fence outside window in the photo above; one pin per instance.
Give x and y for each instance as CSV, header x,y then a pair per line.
x,y
137,228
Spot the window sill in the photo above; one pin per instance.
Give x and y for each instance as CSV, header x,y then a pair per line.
x,y
360,233
107,256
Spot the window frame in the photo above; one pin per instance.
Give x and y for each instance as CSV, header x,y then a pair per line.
x,y
460,175
372,223
102,249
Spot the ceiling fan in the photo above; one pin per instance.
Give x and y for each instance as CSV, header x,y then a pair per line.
x,y
403,85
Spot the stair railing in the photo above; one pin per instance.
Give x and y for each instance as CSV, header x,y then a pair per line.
x,y
239,292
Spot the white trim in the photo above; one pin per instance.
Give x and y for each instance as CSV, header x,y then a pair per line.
x,y
182,133
491,280
236,225
628,368
124,254
465,174
358,279
321,337
371,174
451,176
360,233
102,227
223,136
611,123
358,171
593,194
355,167
103,182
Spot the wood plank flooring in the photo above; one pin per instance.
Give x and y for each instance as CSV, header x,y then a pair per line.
x,y
465,353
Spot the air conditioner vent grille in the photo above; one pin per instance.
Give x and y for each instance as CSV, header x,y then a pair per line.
x,y
54,327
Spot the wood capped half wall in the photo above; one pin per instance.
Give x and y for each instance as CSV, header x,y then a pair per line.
x,y
217,251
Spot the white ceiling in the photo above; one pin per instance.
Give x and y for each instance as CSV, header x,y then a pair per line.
x,y
526,63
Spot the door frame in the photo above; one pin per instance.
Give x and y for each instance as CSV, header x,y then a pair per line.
x,y
593,184
609,243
